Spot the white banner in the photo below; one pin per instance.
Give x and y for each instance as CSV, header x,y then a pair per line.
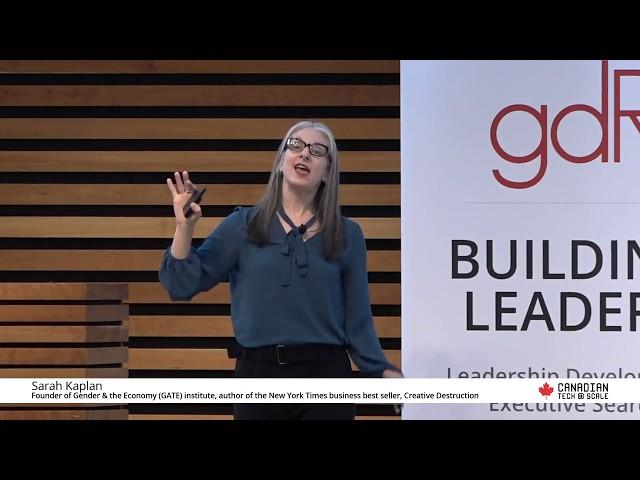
x,y
520,231
529,393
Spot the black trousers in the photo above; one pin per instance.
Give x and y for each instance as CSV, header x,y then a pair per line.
x,y
313,361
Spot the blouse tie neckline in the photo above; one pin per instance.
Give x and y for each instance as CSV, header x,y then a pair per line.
x,y
294,247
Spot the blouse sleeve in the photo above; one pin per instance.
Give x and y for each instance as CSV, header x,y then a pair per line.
x,y
207,265
364,345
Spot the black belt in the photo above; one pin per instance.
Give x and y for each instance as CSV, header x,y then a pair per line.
x,y
287,354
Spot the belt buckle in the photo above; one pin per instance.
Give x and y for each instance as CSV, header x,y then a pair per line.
x,y
280,355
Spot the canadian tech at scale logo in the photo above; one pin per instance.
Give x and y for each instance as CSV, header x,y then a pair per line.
x,y
577,391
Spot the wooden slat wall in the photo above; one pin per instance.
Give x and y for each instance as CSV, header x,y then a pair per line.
x,y
200,66
131,161
58,330
208,95
85,147
157,194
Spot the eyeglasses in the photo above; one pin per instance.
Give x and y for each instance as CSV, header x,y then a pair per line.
x,y
315,149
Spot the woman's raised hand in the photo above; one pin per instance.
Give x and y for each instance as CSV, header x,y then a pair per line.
x,y
181,192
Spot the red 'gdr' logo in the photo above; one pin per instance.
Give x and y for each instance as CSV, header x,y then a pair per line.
x,y
541,151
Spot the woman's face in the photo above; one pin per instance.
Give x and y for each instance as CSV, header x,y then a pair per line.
x,y
306,162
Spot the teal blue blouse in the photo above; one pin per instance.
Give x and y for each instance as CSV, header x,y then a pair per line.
x,y
285,292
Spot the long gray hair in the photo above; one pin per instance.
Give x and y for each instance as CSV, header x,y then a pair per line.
x,y
326,201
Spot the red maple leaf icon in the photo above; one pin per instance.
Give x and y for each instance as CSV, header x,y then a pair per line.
x,y
545,390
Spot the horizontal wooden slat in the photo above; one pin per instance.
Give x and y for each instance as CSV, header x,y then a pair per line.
x,y
64,373
146,227
115,414
199,95
180,326
383,260
199,66
154,161
63,291
196,359
62,356
143,292
179,359
134,260
387,327
146,292
62,334
135,194
217,326
384,293
187,128
45,405
63,313
166,416
378,417
155,416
